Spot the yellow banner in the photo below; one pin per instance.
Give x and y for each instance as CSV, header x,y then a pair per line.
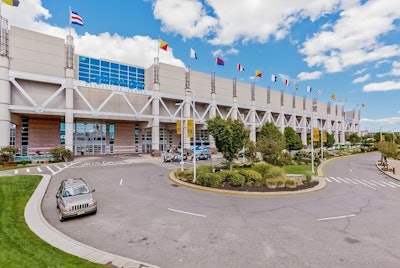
x,y
190,128
179,127
315,134
324,138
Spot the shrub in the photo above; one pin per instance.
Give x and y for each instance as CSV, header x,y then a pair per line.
x,y
186,174
203,169
213,180
271,183
290,183
227,174
252,177
280,182
60,154
237,180
308,175
262,168
7,154
276,172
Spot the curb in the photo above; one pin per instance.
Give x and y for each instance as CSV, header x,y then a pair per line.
x,y
41,227
321,184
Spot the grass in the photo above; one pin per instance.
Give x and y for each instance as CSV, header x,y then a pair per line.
x,y
19,246
297,169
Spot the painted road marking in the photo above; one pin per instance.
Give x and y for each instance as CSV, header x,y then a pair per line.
x,y
363,183
336,218
189,213
120,182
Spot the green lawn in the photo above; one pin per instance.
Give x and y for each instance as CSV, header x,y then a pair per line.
x,y
19,247
297,169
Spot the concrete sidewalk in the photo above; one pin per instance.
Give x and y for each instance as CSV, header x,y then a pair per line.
x,y
392,163
39,225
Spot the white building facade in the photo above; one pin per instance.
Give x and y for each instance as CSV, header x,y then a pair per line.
x,y
51,97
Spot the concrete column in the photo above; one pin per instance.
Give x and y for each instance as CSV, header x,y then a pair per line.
x,y
5,100
281,121
186,116
69,110
253,121
235,109
304,129
212,114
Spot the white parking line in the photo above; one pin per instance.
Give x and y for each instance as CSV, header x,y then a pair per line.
x,y
120,182
189,213
39,169
388,184
335,179
344,180
363,183
52,172
27,170
16,171
350,180
336,218
58,167
378,183
398,185
368,182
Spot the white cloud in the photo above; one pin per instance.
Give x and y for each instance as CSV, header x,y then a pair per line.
x,y
381,124
382,86
362,79
358,72
309,76
355,38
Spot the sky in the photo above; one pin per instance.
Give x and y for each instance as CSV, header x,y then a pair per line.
x,y
349,48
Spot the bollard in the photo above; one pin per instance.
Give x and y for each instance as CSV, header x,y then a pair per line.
x,y
394,171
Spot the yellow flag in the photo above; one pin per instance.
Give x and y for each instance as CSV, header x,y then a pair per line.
x,y
316,134
179,127
190,128
14,3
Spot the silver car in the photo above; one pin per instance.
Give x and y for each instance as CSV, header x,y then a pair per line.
x,y
74,198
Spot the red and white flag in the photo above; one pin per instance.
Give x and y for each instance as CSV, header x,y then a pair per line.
x,y
287,82
240,67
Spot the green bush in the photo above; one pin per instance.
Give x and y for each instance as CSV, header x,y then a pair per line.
x,y
308,175
7,154
237,180
213,180
252,177
276,172
186,174
203,169
226,174
290,182
60,154
262,168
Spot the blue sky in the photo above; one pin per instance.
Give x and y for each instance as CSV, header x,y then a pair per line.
x,y
344,47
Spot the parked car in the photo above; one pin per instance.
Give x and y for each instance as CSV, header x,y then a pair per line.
x,y
204,155
74,198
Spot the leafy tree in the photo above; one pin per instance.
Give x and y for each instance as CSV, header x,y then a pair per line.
x,y
353,138
330,140
387,150
229,136
271,143
250,151
293,141
7,154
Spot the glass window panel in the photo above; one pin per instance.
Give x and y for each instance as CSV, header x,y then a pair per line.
x,y
132,69
94,61
83,59
140,71
105,64
114,66
123,68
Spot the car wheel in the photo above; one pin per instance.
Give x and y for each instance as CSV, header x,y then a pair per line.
x,y
60,217
94,212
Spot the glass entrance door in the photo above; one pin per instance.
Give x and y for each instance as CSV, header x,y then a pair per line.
x,y
89,138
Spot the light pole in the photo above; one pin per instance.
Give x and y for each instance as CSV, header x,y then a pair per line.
x,y
194,139
312,138
181,104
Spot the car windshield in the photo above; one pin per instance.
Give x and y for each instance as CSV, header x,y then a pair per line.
x,y
82,189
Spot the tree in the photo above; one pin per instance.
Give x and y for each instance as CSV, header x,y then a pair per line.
x,y
271,144
387,150
353,138
229,136
7,154
250,151
293,141
330,140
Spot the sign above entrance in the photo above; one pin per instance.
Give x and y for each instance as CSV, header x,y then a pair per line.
x,y
104,72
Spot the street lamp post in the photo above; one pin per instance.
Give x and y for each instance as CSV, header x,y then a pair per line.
x,y
312,138
194,139
178,104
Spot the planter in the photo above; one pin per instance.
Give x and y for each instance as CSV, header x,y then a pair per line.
x,y
10,164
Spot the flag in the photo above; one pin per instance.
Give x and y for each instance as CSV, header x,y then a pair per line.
x,y
319,92
76,19
193,54
287,82
297,86
220,61
258,73
309,89
13,3
240,67
163,45
273,78
333,96
362,105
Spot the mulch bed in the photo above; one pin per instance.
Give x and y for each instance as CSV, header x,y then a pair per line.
x,y
264,188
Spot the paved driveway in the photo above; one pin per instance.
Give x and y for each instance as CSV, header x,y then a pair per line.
x,y
144,216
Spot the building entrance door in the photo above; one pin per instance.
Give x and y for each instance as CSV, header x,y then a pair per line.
x,y
89,138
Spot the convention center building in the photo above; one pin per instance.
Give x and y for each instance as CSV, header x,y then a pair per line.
x,y
51,97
